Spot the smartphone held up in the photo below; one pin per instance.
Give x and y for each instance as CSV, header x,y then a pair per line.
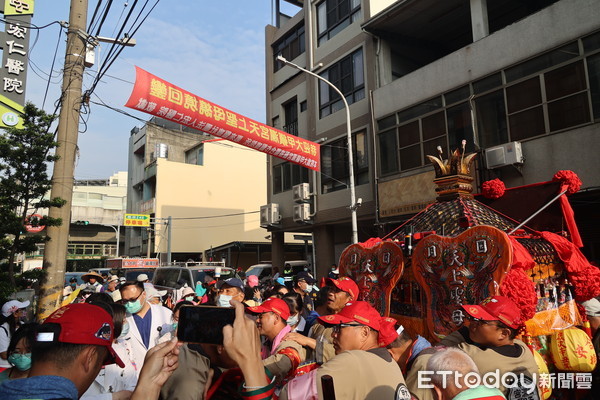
x,y
203,324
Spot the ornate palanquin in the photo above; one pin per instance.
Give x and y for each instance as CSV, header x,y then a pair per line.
x,y
460,251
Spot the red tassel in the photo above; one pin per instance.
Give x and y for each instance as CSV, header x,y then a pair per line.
x,y
584,276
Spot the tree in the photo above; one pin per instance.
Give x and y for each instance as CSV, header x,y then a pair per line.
x,y
24,181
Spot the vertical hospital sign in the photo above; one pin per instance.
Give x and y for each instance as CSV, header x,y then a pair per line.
x,y
14,41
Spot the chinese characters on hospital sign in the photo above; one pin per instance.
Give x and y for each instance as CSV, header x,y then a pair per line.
x,y
15,46
160,98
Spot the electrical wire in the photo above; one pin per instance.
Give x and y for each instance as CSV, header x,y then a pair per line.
x,y
92,20
215,216
51,68
112,48
106,10
125,4
114,55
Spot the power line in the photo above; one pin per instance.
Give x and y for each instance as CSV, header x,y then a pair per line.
x,y
52,67
114,54
215,216
106,10
93,19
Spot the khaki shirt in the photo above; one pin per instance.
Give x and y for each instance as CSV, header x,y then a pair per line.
x,y
324,350
189,379
487,361
358,375
280,364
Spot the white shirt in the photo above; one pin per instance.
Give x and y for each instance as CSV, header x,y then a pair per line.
x,y
161,318
4,342
113,378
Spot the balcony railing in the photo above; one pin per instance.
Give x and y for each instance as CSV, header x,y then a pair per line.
x,y
291,128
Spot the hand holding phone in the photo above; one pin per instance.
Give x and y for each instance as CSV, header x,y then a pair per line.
x,y
203,324
242,344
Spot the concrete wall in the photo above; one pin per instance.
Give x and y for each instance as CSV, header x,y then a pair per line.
x,y
575,150
376,6
231,181
551,27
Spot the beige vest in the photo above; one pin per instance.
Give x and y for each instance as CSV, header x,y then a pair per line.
x,y
359,375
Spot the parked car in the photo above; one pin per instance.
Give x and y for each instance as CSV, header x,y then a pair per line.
x,y
174,276
266,270
263,270
131,274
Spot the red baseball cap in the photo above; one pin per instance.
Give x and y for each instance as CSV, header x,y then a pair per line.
x,y
81,323
358,311
272,304
345,284
496,308
388,332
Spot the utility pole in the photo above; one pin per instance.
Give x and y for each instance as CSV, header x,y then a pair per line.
x,y
55,254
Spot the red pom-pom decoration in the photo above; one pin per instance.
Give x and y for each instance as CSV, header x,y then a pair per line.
x,y
518,287
493,189
371,242
570,179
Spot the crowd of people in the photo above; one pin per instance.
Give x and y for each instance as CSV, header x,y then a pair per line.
x,y
118,340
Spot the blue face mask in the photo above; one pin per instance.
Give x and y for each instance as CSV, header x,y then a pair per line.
x,y
133,307
223,300
124,330
21,361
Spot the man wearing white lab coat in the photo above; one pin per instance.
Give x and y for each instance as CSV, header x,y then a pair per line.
x,y
147,322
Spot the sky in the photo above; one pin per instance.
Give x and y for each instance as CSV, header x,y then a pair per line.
x,y
212,48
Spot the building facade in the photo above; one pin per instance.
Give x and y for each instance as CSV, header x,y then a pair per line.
x,y
211,189
503,75
97,211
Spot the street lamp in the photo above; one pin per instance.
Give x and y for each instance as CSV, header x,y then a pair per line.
x,y
353,204
118,233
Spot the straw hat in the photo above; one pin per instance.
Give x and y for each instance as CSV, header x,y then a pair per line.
x,y
86,277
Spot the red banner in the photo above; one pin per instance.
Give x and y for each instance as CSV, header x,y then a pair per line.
x,y
160,98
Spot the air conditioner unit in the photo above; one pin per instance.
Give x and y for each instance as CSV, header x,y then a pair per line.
x,y
301,192
269,215
505,154
302,212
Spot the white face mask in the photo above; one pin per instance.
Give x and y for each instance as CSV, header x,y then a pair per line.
x,y
293,320
124,330
223,300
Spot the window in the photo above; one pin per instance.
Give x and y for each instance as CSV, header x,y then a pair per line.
x,y
348,76
552,92
335,15
491,119
286,175
335,173
388,152
195,155
303,106
290,111
593,64
290,47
